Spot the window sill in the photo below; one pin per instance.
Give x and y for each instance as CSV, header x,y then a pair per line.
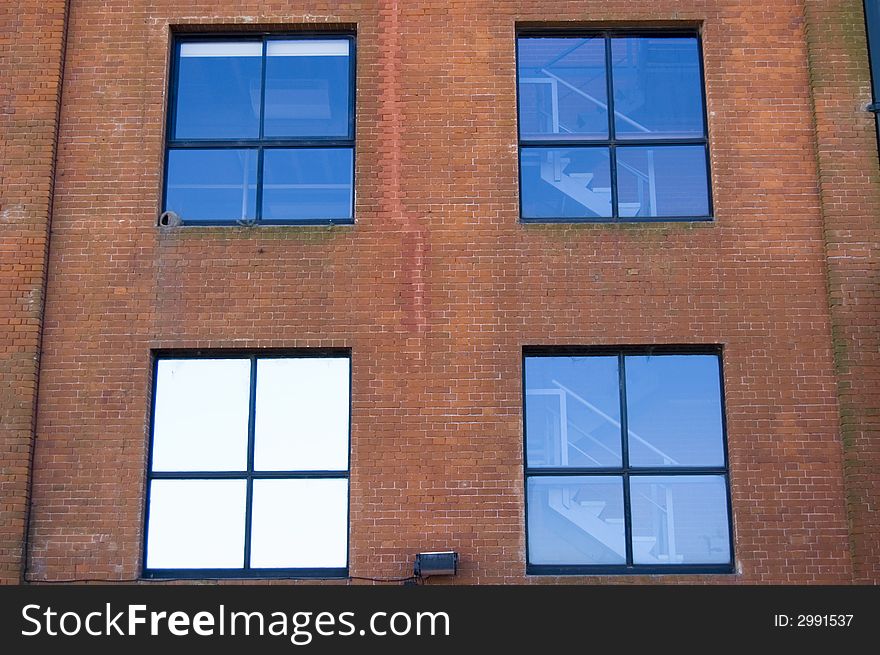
x,y
618,221
233,224
690,569
245,574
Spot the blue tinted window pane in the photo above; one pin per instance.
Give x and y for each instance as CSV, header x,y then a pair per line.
x,y
307,88
565,182
679,520
212,185
307,183
562,88
572,411
662,181
218,90
576,520
657,87
673,405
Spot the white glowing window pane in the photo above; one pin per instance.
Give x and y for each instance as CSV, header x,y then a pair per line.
x,y
196,524
222,49
302,414
308,48
300,523
201,416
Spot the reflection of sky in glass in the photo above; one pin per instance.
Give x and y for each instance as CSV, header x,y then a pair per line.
x,y
674,410
572,411
201,424
300,524
679,519
201,415
307,183
196,524
212,185
217,98
576,520
307,88
302,414
218,90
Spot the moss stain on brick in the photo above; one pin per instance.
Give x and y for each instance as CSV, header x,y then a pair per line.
x,y
305,234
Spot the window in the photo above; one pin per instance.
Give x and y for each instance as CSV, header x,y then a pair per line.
x,y
261,130
872,24
612,127
248,473
625,462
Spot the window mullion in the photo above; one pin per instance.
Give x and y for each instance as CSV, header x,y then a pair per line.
x,y
248,508
263,90
624,454
171,128
258,210
612,146
352,89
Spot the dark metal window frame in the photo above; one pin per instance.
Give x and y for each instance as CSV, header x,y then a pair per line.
x,y
872,32
625,471
249,475
612,143
261,143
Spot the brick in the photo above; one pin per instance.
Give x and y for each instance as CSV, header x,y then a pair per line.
x,y
438,286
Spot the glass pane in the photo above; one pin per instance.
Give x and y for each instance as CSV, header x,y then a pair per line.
x,y
576,520
563,90
307,88
572,411
212,185
662,181
679,520
657,87
218,90
674,410
565,182
302,414
307,183
300,524
201,415
196,524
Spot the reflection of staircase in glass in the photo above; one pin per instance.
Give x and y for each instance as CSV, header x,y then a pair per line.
x,y
588,515
577,187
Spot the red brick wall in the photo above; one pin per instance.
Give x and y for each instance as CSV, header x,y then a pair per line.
x,y
850,187
437,287
31,45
